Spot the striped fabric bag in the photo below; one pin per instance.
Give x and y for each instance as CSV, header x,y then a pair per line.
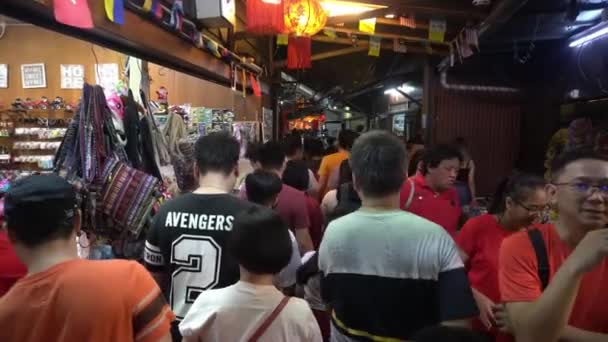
x,y
127,196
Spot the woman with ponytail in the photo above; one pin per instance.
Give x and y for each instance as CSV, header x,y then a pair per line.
x,y
519,202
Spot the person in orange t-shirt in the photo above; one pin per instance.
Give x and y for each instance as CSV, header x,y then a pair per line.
x,y
64,298
518,202
569,300
331,163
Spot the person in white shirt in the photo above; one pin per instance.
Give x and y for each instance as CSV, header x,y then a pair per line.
x,y
253,309
263,188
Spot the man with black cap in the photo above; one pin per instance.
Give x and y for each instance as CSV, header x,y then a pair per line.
x,y
64,298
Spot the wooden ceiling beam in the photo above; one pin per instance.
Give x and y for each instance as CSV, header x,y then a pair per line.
x,y
328,54
387,35
384,45
340,19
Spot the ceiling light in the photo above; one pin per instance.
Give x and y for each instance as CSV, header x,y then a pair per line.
x,y
401,89
337,8
347,108
390,16
590,34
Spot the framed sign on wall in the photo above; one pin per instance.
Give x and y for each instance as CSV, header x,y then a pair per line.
x,y
3,75
72,76
33,75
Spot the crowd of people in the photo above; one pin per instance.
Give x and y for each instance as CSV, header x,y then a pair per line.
x,y
375,241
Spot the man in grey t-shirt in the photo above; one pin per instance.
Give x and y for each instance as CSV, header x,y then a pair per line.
x,y
389,273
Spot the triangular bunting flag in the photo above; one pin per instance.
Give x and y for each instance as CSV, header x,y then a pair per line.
x,y
282,39
437,29
367,25
374,46
115,11
73,13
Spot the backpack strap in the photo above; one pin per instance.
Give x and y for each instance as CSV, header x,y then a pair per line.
x,y
410,198
541,256
268,321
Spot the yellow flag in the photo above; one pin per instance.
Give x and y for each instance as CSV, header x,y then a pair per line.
x,y
282,39
374,46
367,25
437,29
331,33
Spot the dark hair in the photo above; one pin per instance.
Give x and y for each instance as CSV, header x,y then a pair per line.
x,y
447,334
378,160
252,151
262,186
296,175
415,140
413,165
313,147
36,214
218,152
260,241
570,156
436,154
292,144
271,156
518,187
346,139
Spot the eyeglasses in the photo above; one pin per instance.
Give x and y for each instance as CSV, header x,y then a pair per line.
x,y
535,210
587,188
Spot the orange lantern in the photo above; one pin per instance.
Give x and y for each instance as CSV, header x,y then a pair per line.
x,y
304,17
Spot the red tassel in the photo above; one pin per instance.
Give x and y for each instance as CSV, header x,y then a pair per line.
x,y
255,86
299,53
265,17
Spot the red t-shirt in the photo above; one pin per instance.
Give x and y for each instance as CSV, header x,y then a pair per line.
x,y
11,268
519,281
291,206
480,239
441,208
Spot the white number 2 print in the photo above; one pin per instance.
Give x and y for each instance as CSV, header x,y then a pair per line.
x,y
199,259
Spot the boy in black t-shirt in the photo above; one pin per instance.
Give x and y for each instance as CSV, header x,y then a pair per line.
x,y
186,245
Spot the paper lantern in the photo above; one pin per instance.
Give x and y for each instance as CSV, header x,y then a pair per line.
x,y
304,17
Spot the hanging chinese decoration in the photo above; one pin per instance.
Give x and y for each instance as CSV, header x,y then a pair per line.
x,y
299,53
265,16
304,17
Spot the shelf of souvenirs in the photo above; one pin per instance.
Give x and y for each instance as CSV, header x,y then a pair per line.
x,y
57,114
29,133
36,162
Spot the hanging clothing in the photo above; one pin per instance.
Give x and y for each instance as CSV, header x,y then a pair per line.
x,y
149,162
131,121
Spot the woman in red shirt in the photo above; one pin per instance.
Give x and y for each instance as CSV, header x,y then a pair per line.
x,y
519,202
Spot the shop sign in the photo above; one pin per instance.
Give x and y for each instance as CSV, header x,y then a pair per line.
x,y
106,75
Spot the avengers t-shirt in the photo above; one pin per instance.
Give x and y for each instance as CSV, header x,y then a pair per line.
x,y
188,242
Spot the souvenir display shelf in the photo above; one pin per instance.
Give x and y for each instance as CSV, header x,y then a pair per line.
x,y
30,138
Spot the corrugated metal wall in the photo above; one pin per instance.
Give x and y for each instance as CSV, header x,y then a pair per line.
x,y
490,123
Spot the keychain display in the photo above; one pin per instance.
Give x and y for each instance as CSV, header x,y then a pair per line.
x,y
36,145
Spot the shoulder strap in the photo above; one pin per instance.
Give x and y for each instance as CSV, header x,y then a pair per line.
x,y
410,198
541,256
268,321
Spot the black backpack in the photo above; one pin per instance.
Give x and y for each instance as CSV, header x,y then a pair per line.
x,y
348,201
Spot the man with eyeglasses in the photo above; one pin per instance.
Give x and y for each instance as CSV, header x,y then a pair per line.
x,y
555,285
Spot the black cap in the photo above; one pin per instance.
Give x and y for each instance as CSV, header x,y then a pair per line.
x,y
39,190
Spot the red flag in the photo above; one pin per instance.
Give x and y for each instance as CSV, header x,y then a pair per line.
x,y
73,13
299,53
255,85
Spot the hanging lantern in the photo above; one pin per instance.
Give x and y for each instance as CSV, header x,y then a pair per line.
x,y
265,16
304,17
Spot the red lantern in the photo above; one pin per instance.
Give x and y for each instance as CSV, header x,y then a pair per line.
x,y
265,16
304,17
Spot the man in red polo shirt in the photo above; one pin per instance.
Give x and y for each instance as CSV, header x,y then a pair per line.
x,y
568,299
11,268
433,195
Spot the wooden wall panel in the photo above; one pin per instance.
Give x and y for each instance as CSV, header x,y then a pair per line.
x,y
31,44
